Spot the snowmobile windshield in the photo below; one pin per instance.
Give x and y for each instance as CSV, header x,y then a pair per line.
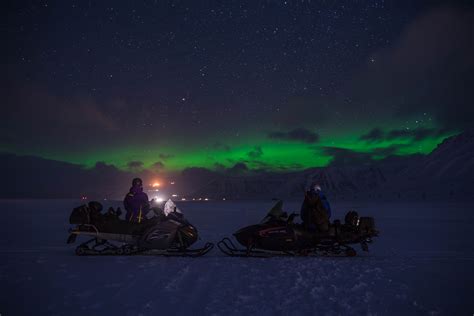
x,y
170,207
276,213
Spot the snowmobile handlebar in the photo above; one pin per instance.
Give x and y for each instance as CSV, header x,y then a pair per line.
x,y
292,217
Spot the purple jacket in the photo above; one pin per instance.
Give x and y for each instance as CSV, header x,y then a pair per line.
x,y
134,201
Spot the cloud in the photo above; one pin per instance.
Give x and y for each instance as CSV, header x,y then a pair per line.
x,y
221,146
56,121
104,167
158,166
255,153
238,169
375,135
41,107
135,165
416,134
348,157
55,179
428,69
298,134
165,156
387,151
219,167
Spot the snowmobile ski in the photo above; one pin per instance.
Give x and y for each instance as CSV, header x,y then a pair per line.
x,y
227,246
98,247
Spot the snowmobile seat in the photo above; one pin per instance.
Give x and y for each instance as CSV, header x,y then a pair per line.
x,y
367,225
86,214
291,218
90,216
118,226
80,215
95,207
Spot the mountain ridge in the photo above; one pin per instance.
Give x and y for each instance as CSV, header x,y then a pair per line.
x,y
448,169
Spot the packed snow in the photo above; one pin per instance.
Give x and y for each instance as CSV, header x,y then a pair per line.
x,y
422,263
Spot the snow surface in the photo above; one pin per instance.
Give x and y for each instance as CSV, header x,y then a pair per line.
x,y
421,264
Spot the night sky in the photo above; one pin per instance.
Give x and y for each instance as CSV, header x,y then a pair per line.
x,y
274,85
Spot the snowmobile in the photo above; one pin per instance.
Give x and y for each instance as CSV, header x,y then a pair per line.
x,y
160,232
278,235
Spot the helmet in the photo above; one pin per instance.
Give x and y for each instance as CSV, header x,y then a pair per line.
x,y
137,182
315,187
95,207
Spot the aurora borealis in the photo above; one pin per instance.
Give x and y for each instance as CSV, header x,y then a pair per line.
x,y
274,85
254,152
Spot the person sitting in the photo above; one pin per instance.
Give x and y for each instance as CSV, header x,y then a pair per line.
x,y
136,202
113,214
315,210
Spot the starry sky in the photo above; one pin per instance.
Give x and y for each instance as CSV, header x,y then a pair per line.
x,y
269,85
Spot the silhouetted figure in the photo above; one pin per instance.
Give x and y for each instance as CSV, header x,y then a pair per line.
x,y
136,202
315,211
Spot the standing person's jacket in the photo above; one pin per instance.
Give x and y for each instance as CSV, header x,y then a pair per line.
x,y
136,204
324,200
315,211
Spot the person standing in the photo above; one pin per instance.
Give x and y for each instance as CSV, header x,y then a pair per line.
x,y
315,210
136,202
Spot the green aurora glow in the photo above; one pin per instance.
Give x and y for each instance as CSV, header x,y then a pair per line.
x,y
273,155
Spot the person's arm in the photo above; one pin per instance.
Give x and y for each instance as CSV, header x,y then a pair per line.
x,y
326,204
145,203
126,202
126,205
305,201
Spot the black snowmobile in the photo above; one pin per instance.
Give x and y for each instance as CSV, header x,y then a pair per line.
x,y
278,235
164,233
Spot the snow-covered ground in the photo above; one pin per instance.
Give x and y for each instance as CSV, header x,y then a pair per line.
x,y
423,263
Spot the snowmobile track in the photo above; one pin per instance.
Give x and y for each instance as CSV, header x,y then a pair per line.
x,y
105,248
227,246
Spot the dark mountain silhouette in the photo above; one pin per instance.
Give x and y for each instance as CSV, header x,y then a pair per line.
x,y
447,170
34,177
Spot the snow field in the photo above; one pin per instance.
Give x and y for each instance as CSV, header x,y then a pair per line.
x,y
421,264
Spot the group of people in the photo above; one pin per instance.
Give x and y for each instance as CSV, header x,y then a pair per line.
x,y
315,210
